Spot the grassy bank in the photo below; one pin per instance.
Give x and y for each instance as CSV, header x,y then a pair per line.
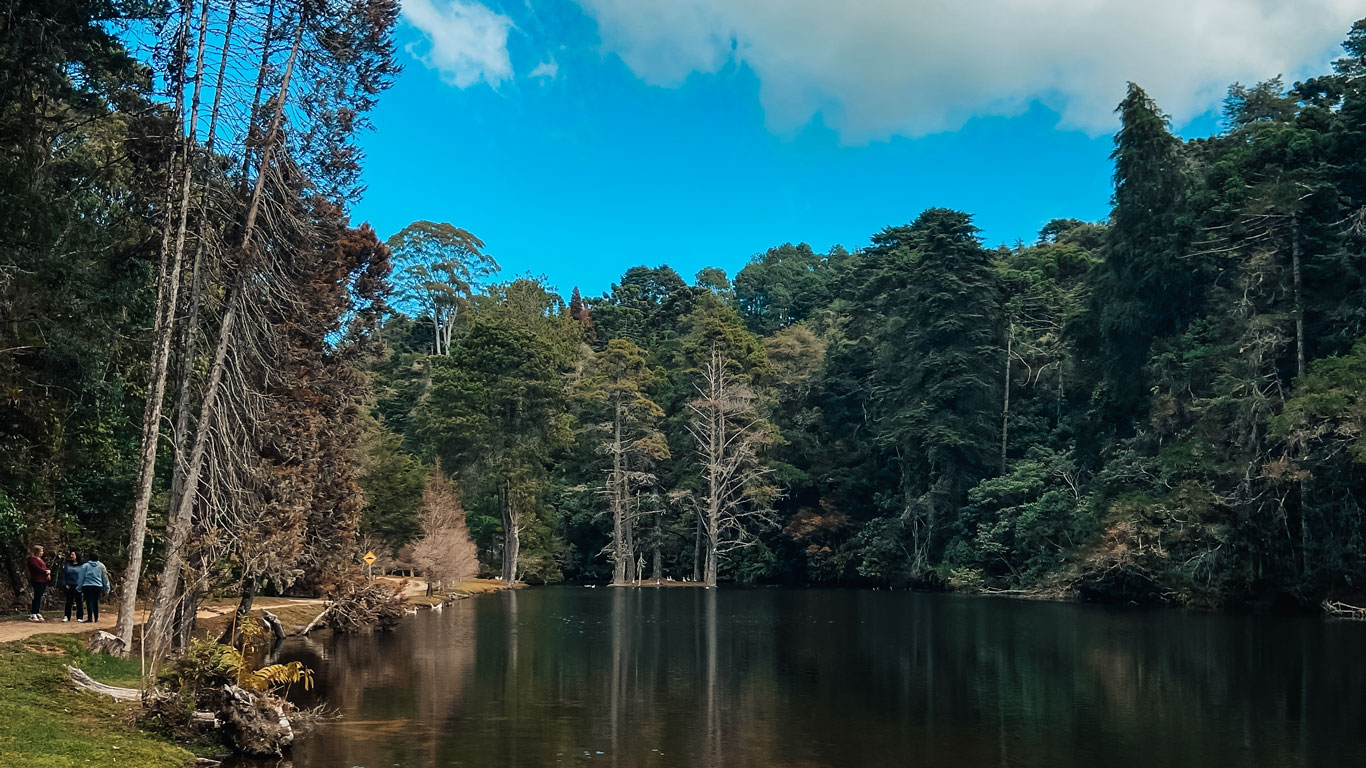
x,y
460,591
45,723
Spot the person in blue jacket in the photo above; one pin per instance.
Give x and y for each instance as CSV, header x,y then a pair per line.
x,y
94,583
69,578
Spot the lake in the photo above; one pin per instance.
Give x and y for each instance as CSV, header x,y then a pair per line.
x,y
803,678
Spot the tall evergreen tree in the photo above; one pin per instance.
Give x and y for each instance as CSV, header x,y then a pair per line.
x,y
937,354
1146,288
497,412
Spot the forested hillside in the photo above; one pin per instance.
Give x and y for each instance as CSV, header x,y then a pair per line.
x,y
198,350
1165,406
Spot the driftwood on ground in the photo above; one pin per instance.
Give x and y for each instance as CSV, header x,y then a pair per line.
x,y
1343,610
107,644
83,681
317,620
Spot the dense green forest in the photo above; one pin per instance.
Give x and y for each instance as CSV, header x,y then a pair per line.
x,y
196,345
1166,406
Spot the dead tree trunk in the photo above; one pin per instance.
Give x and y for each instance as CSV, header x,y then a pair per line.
x,y
657,569
168,299
248,597
1005,401
697,550
1299,300
180,517
728,434
190,325
616,489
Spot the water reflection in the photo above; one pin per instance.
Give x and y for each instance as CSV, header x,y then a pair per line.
x,y
685,677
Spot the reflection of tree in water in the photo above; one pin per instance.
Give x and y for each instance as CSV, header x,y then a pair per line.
x,y
395,692
674,678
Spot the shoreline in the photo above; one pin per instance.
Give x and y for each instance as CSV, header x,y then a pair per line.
x,y
46,720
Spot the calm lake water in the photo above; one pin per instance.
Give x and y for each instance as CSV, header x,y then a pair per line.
x,y
805,678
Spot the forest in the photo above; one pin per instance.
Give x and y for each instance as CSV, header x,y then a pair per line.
x,y
210,375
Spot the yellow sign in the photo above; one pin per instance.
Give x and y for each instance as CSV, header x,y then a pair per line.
x,y
369,558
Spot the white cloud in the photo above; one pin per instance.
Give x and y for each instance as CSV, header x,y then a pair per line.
x,y
546,69
877,68
465,41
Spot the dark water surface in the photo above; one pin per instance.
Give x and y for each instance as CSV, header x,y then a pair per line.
x,y
805,678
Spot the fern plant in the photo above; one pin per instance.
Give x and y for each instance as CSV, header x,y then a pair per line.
x,y
270,677
208,664
275,675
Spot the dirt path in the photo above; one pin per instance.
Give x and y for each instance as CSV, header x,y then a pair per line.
x,y
19,630
11,631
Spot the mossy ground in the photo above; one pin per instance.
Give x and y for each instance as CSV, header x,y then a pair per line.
x,y
46,723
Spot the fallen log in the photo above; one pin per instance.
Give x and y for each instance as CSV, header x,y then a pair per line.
x,y
83,681
1343,610
316,621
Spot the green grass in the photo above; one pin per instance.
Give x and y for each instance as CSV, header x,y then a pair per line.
x,y
46,723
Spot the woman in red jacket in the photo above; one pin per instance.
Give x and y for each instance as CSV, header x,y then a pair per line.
x,y
39,575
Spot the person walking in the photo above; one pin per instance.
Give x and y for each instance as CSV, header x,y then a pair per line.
x,y
94,584
39,576
69,579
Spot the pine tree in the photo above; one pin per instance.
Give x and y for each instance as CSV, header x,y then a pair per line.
x,y
937,353
497,413
1145,289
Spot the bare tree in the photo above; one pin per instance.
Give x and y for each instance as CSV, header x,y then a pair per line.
x,y
445,552
730,436
274,169
168,298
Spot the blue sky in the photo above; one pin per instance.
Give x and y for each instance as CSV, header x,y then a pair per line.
x,y
578,140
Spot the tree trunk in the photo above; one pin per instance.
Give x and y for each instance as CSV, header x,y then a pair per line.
x,y
248,598
156,632
168,299
157,629
657,571
1005,401
919,525
1299,300
1299,371
712,567
190,325
511,538
697,550
188,610
621,547
629,533
715,447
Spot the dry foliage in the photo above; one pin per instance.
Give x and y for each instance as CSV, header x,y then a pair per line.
x,y
445,552
359,607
